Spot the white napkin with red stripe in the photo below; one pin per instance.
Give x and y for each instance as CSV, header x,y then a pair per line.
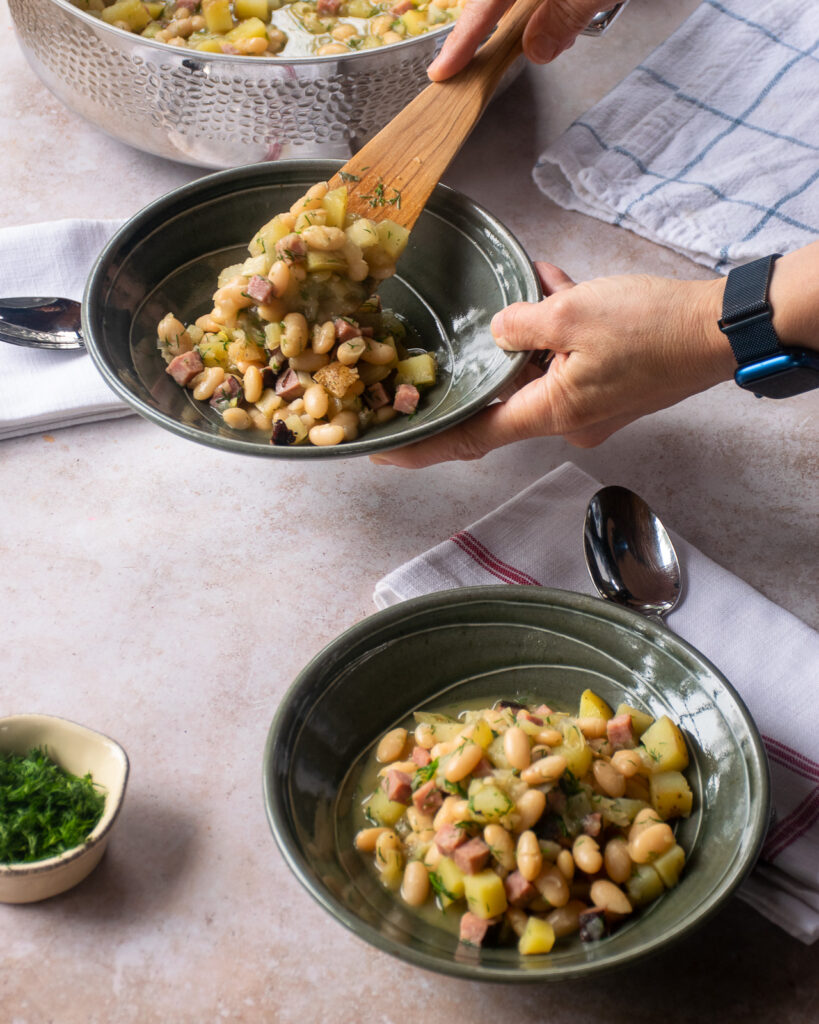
x,y
43,389
769,655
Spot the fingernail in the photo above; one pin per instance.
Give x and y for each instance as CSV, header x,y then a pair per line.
x,y
496,325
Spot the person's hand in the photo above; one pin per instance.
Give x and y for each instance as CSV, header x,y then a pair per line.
x,y
552,29
623,347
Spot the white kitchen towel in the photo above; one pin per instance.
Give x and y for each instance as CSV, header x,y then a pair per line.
x,y
42,389
770,657
711,145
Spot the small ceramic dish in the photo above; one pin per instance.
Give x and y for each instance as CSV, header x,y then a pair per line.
x,y
461,265
78,750
533,644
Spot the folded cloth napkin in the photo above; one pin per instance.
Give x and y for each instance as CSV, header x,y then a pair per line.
x,y
711,145
43,389
767,654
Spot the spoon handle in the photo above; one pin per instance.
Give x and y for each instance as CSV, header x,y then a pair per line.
x,y
39,322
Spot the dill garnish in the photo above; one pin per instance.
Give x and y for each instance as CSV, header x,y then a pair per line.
x,y
44,810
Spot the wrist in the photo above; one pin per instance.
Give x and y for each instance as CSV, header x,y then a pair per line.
x,y
793,295
716,353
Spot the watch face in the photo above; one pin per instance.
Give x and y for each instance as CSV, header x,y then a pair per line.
x,y
784,375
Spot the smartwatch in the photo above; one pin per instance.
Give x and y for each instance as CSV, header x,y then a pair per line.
x,y
764,366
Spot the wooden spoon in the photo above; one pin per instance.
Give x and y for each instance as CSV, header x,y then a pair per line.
x,y
394,174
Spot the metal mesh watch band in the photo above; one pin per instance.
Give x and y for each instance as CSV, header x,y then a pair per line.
x,y
746,312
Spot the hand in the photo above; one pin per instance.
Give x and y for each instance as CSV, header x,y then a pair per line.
x,y
552,29
623,347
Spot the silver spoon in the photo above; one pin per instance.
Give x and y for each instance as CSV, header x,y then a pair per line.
x,y
41,322
629,554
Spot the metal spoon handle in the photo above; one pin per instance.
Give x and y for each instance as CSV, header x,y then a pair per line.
x,y
40,322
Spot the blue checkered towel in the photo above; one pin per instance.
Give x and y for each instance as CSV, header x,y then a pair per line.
x,y
711,145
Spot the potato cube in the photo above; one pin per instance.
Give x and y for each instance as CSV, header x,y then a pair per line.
x,y
485,894
575,749
488,803
264,241
133,12
538,937
213,349
451,882
393,238
415,22
669,866
363,232
252,9
671,796
251,28
380,808
420,370
640,721
320,260
217,15
592,706
335,203
665,746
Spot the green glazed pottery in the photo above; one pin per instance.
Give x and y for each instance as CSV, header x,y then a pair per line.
x,y
491,642
460,267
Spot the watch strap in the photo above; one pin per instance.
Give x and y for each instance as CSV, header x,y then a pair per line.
x,y
746,312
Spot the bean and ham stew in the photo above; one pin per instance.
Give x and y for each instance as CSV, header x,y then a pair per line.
x,y
270,28
297,345
522,824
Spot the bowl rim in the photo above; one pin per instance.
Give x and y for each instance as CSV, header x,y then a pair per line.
x,y
203,57
99,834
276,811
135,227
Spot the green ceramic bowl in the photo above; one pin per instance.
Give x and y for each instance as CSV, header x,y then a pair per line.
x,y
492,642
460,267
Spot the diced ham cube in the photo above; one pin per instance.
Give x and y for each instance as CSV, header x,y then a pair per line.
x,y
367,332
620,732
260,289
421,756
184,368
427,798
472,857
448,839
519,892
592,824
542,710
328,7
376,396
473,929
189,4
399,786
291,248
224,394
406,399
529,717
556,801
402,7
345,330
289,386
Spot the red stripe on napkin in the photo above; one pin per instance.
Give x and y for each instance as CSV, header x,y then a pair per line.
x,y
790,758
491,563
796,824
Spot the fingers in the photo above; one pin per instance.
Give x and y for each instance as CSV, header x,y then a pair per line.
x,y
477,20
554,27
526,414
551,277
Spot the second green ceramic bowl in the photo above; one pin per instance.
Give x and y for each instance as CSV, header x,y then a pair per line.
x,y
492,642
460,267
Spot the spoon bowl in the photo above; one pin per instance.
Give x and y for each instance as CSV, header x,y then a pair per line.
x,y
37,322
629,554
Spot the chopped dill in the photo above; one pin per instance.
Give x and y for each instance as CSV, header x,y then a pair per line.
x,y
44,810
346,176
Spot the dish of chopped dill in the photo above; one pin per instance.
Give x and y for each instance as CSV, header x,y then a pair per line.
x,y
44,810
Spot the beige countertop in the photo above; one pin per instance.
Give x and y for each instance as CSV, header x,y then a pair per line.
x,y
167,594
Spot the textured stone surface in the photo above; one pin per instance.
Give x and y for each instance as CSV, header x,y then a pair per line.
x,y
148,591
